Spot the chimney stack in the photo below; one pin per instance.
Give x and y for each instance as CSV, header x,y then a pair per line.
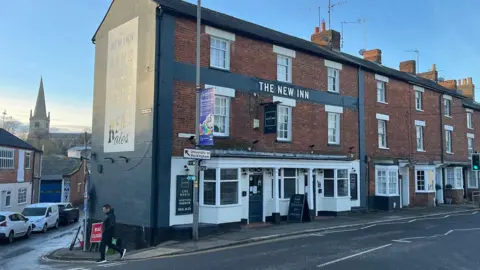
x,y
467,88
430,75
374,55
409,66
450,84
326,38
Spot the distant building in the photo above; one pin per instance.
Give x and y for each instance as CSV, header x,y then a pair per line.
x,y
79,151
20,172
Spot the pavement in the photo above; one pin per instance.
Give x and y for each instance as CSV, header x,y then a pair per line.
x,y
266,233
447,241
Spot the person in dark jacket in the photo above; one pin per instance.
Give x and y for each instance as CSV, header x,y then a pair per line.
x,y
108,232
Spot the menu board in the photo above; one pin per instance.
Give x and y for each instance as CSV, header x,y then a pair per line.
x,y
184,199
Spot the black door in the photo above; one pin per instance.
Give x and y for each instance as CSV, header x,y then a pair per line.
x,y
255,209
314,207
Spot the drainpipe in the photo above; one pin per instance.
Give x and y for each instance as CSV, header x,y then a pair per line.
x,y
33,176
442,158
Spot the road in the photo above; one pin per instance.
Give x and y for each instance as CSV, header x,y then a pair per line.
x,y
445,242
25,254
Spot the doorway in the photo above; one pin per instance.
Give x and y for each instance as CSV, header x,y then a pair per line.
x,y
438,181
404,186
255,202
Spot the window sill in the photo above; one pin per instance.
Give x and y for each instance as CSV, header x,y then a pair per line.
x,y
383,148
220,68
280,81
283,141
473,187
421,151
22,203
382,102
220,206
390,195
448,116
471,128
450,153
334,144
420,110
424,191
334,92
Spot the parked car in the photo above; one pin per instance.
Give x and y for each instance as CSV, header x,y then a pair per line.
x,y
14,225
68,213
42,215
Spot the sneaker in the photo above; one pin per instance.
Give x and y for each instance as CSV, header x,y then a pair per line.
x,y
123,253
101,261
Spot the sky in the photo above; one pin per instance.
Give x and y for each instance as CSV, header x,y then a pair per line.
x,y
52,39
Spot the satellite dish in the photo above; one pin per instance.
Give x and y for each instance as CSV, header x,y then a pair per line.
x,y
361,52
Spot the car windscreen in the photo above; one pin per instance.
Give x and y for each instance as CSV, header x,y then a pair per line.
x,y
32,211
61,207
2,218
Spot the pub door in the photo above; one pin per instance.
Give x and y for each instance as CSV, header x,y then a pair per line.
x,y
255,204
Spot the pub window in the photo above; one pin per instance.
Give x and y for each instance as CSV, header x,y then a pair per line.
x,y
287,182
209,187
284,68
221,116
284,123
228,186
333,84
219,53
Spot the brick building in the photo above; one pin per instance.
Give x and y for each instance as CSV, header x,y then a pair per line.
x,y
19,172
291,116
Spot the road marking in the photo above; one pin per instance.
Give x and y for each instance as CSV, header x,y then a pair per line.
x,y
471,229
112,264
317,234
401,241
474,212
353,255
446,216
339,231
368,226
449,232
413,220
265,237
80,268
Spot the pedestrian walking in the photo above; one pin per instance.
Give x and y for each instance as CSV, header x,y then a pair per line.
x,y
108,231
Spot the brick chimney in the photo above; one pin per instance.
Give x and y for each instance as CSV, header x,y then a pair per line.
x,y
326,38
450,84
409,66
431,75
467,88
374,55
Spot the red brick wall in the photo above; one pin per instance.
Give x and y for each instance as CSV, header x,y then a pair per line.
x,y
459,134
476,131
10,175
77,187
257,59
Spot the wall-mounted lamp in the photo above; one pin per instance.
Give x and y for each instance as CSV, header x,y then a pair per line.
x,y
192,140
124,158
311,148
253,143
320,171
244,172
111,159
186,168
350,151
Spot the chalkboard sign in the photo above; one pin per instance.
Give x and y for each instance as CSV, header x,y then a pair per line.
x,y
353,186
270,119
184,201
298,209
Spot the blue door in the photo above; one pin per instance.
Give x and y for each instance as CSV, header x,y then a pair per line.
x,y
51,191
255,205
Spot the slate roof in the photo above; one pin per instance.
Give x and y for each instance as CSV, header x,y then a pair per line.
x,y
54,165
229,23
10,140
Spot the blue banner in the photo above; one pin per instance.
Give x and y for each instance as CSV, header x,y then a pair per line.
x,y
207,110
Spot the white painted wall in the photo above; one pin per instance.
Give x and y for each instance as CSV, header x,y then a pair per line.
x,y
13,187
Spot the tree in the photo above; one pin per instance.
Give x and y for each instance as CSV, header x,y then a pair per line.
x,y
11,126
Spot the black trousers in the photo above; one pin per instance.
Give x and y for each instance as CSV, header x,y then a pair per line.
x,y
107,241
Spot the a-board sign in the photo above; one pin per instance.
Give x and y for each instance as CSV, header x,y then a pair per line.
x,y
353,186
298,209
96,235
184,200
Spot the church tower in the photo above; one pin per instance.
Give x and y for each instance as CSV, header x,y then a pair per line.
x,y
39,121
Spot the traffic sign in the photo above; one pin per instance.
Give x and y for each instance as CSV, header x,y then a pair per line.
x,y
196,154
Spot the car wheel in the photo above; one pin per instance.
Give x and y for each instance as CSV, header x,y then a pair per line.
x,y
10,237
45,228
56,224
29,232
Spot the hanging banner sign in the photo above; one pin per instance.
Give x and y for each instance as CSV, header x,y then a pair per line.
x,y
207,110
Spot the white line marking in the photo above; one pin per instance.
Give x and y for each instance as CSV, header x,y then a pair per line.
x,y
413,220
317,234
471,229
446,216
111,264
401,241
449,232
351,230
353,255
265,237
368,226
474,212
79,268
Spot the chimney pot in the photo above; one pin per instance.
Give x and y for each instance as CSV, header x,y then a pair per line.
x,y
464,82
323,25
470,80
317,30
434,67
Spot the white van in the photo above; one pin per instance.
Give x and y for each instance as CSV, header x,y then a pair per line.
x,y
42,215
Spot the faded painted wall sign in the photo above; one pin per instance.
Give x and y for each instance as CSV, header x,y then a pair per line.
x,y
120,98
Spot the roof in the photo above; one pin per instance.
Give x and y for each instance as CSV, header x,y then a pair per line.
x,y
40,107
471,104
10,140
53,165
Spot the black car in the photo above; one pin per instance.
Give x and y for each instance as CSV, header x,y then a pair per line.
x,y
68,213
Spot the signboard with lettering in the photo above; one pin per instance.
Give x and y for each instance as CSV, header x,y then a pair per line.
x,y
353,186
184,201
270,119
96,236
298,209
288,91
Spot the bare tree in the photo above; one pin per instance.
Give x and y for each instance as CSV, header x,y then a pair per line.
x,y
11,126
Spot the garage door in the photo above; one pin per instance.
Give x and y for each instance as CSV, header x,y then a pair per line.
x,y
51,191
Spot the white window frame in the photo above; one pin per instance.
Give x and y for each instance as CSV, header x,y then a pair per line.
x,y
218,182
382,134
287,77
447,105
391,180
336,180
419,97
28,160
226,61
420,135
448,141
381,92
333,78
429,184
217,115
469,120
22,191
7,162
470,144
281,183
454,177
227,94
8,194
472,175
334,128
289,123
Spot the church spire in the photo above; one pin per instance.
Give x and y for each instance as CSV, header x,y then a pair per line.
x,y
40,107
